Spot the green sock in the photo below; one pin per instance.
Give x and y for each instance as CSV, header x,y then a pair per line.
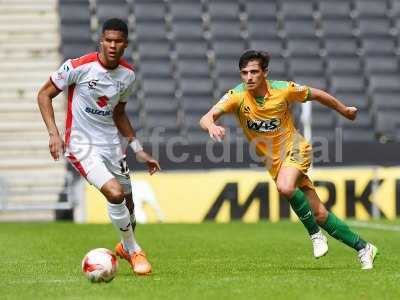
x,y
301,207
340,231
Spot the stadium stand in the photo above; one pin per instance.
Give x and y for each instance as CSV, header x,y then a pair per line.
x,y
186,53
29,51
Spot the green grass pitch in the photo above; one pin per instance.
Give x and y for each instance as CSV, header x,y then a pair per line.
x,y
203,261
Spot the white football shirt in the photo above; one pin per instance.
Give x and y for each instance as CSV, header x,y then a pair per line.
x,y
93,92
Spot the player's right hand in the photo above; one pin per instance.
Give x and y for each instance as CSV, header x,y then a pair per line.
x,y
351,112
56,146
216,132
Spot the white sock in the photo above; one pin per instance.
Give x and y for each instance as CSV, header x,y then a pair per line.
x,y
133,223
119,215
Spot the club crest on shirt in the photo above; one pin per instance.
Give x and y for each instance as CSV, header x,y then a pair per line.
x,y
298,87
120,87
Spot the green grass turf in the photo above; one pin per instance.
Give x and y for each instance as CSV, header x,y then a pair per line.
x,y
204,261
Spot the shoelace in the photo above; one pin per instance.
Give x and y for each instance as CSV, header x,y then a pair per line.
x,y
317,238
364,256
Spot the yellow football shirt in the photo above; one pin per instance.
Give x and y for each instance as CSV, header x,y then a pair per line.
x,y
268,124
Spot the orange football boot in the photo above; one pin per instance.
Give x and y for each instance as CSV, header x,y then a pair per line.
x,y
137,260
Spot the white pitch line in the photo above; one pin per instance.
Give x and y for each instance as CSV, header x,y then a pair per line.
x,y
374,226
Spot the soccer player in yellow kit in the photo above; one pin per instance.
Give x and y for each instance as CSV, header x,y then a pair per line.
x,y
261,107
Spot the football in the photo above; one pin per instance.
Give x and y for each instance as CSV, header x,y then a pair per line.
x,y
100,265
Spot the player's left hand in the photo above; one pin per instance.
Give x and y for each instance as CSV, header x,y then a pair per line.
x,y
152,164
350,112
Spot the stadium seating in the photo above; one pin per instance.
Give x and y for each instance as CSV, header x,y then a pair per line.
x,y
186,54
29,52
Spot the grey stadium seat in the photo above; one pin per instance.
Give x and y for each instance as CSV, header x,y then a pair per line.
x,y
341,46
306,66
153,68
348,83
337,28
192,67
160,104
75,28
261,9
196,86
231,48
77,49
297,9
274,46
166,121
197,104
387,125
159,86
225,29
187,29
374,27
379,46
303,47
278,68
227,83
149,10
223,9
382,65
186,10
384,83
115,9
150,30
344,65
262,28
191,48
227,67
154,49
387,101
299,28
74,11
370,8
338,9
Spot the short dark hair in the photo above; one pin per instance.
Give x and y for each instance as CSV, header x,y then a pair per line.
x,y
117,25
263,58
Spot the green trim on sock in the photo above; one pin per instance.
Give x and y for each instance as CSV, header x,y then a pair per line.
x,y
340,231
301,207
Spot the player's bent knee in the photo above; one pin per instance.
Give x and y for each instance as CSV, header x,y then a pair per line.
x,y
115,196
113,192
286,190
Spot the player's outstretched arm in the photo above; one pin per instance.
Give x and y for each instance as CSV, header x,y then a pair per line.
x,y
124,126
46,93
207,123
349,112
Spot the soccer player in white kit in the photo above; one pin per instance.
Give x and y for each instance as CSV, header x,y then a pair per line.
x,y
98,86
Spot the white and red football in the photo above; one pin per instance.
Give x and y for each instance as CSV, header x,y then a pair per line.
x,y
100,265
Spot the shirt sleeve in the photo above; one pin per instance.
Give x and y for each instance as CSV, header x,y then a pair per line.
x,y
228,103
64,76
296,92
128,91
